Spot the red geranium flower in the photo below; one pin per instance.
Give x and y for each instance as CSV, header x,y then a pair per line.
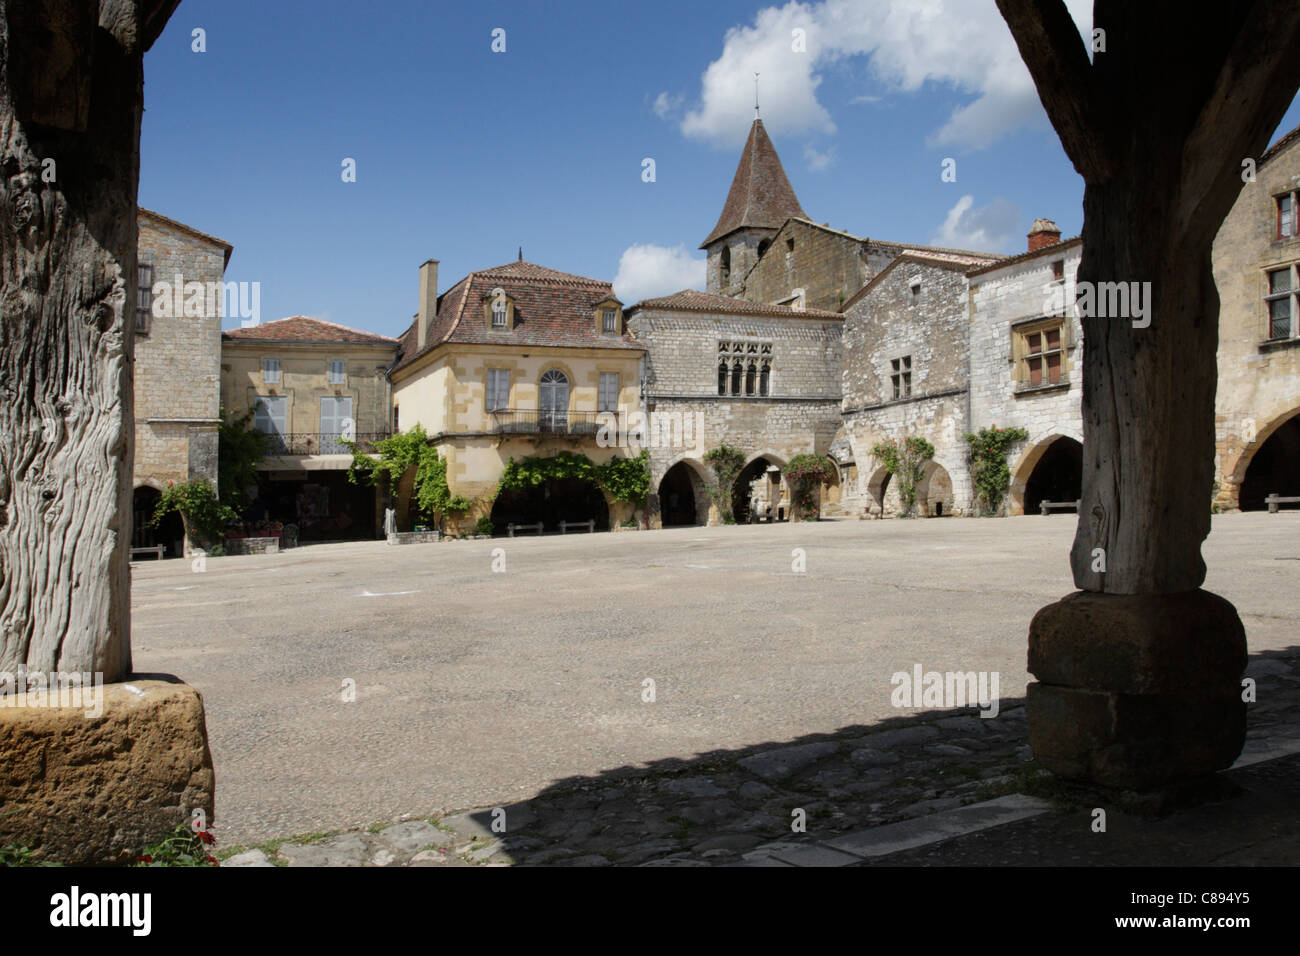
x,y
144,859
207,837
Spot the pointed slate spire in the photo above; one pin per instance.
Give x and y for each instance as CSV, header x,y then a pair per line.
x,y
761,195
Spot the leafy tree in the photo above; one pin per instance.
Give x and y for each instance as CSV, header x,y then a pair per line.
x,y
239,448
905,460
988,464
726,463
202,512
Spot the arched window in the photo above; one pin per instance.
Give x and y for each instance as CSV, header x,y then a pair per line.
x,y
553,405
726,263
764,377
722,377
750,374
498,313
737,375
762,247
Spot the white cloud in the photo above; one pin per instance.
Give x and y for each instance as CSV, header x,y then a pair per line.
x,y
962,44
647,270
992,228
665,105
818,161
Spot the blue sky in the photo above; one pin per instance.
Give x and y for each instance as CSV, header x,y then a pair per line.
x,y
464,154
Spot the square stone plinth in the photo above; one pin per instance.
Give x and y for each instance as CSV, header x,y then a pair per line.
x,y
85,787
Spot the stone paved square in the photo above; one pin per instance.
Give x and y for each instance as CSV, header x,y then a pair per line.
x,y
476,689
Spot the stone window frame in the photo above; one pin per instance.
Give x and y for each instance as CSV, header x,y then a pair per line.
x,y
602,405
900,376
143,297
1291,295
342,371
1022,377
748,368
1290,196
271,372
489,392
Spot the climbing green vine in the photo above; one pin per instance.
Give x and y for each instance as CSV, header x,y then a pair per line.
x,y
988,464
804,474
726,463
623,479
202,512
430,494
905,460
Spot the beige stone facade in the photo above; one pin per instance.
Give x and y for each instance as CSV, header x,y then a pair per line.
x,y
177,366
311,385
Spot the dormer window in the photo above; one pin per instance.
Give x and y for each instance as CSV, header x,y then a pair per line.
x,y
608,317
499,311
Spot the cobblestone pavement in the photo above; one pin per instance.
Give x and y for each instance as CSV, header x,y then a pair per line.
x,y
743,807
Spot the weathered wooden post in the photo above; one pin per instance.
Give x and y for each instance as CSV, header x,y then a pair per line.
x,y
71,90
1139,672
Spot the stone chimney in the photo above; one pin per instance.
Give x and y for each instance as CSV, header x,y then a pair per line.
x,y
1043,233
428,302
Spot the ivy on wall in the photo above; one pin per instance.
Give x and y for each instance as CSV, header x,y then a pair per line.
x,y
988,464
429,492
726,463
905,460
804,474
623,479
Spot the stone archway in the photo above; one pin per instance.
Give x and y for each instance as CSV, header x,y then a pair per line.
x,y
1020,499
934,492
170,531
1273,464
683,495
550,502
758,480
878,487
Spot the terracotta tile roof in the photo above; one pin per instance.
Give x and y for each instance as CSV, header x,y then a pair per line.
x,y
760,195
690,300
302,328
552,308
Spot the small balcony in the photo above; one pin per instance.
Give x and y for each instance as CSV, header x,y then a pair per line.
x,y
533,421
320,443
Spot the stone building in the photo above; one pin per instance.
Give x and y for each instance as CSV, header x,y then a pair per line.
x,y
760,378
511,362
1257,404
310,384
177,367
905,375
1026,365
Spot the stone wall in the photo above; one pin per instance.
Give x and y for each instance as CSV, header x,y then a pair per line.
x,y
1259,380
1000,302
828,265
925,332
178,362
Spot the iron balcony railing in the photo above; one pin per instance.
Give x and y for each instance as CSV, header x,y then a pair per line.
x,y
533,421
321,443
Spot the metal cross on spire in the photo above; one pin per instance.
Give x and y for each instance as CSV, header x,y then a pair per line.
x,y
755,96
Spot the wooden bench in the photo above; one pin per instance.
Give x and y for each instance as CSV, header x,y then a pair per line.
x,y
1047,506
589,524
512,528
157,550
1274,500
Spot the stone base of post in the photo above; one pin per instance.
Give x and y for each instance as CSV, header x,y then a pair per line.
x,y
96,780
1136,691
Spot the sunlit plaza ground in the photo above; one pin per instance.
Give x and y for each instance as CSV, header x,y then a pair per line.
x,y
476,687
